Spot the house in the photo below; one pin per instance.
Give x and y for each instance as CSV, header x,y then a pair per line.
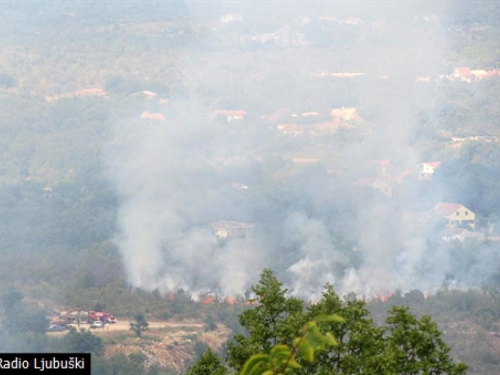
x,y
382,166
230,114
425,171
153,116
232,229
462,73
455,214
345,114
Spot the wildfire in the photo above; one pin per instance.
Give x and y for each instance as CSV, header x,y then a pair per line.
x,y
231,301
382,297
208,301
238,300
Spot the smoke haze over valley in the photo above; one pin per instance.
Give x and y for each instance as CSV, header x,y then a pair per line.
x,y
337,200
167,161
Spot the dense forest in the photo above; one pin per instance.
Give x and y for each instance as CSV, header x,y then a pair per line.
x,y
129,129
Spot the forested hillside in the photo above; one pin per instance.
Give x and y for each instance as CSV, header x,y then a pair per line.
x,y
154,155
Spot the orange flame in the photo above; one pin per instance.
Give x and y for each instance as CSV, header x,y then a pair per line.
x,y
231,301
382,297
207,301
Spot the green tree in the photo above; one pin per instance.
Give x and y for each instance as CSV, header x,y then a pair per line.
x,y
416,346
405,345
276,320
359,339
139,325
208,364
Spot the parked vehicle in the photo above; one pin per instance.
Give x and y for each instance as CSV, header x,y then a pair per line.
x,y
57,328
67,317
97,324
101,315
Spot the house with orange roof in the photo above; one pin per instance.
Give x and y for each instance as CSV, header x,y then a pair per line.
x,y
153,116
424,171
455,214
344,114
462,73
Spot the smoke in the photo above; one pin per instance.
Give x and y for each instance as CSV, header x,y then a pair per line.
x,y
175,178
165,192
318,258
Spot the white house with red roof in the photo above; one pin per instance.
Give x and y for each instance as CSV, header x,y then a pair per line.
x,y
425,171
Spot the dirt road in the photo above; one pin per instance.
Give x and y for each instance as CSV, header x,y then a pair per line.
x,y
125,326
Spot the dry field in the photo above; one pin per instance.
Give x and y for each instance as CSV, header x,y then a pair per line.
x,y
166,343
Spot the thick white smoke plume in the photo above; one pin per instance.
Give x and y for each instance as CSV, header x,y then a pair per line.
x,y
175,177
161,197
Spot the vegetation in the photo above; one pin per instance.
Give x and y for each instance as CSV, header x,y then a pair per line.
x,y
139,325
72,78
352,343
